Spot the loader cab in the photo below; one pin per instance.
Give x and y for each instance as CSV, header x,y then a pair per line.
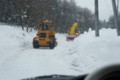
x,y
46,26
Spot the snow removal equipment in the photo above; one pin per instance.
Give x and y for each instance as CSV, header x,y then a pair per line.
x,y
73,32
45,36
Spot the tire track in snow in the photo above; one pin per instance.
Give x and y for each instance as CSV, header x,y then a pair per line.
x,y
78,60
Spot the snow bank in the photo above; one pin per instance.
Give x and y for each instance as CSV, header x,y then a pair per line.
x,y
11,39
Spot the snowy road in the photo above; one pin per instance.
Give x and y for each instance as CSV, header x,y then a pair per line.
x,y
31,62
18,59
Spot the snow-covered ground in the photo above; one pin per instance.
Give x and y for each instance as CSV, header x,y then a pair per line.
x,y
18,59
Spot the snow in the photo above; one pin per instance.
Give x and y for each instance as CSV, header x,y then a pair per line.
x,y
19,60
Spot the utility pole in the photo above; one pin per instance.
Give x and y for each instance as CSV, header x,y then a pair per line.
x,y
116,17
96,19
118,6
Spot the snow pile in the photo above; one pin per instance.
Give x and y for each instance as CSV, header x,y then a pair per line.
x,y
11,39
18,59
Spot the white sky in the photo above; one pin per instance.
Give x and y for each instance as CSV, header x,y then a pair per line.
x,y
105,7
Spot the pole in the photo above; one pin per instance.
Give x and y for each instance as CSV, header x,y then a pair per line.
x,y
116,17
118,6
96,19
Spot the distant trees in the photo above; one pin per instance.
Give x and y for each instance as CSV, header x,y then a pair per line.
x,y
111,22
104,24
28,13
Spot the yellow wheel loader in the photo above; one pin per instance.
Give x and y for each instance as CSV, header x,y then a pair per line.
x,y
45,35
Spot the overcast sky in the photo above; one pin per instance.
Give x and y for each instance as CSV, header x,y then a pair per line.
x,y
105,7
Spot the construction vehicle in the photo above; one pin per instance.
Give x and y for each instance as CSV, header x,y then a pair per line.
x,y
45,35
73,32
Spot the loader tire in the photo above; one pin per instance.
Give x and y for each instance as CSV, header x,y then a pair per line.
x,y
35,44
52,45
